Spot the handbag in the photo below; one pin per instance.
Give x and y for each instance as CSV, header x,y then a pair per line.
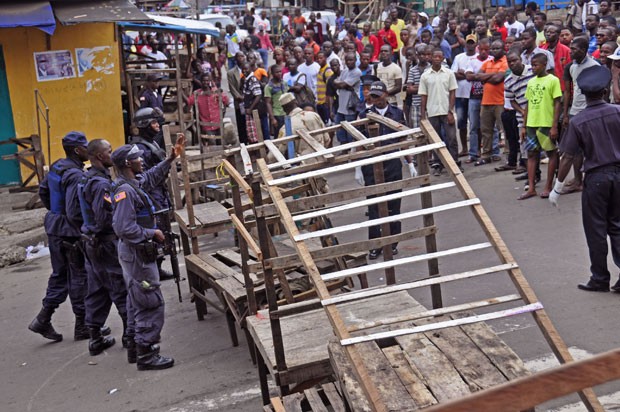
x,y
305,94
354,101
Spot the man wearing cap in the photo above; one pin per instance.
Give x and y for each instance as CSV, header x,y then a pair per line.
x,y
423,18
392,169
366,102
150,96
438,90
593,131
615,75
59,194
135,225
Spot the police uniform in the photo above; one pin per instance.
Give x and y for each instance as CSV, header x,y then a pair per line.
x,y
105,275
58,192
153,155
134,224
392,171
594,130
152,98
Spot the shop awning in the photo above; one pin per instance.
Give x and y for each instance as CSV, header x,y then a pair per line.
x,y
191,26
85,11
169,27
28,14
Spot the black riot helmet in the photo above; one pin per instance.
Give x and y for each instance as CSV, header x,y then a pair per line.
x,y
145,116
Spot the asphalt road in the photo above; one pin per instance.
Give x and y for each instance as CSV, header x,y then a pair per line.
x,y
210,374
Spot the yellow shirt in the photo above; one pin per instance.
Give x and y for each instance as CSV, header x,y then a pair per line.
x,y
396,28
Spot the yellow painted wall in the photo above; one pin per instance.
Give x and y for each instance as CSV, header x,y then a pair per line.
x,y
91,104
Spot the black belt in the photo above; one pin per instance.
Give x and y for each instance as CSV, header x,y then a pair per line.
x,y
607,168
100,237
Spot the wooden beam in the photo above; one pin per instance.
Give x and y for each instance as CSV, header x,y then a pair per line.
x,y
445,324
353,165
382,290
236,176
404,261
371,201
357,135
246,159
277,154
316,146
393,218
247,237
527,392
436,312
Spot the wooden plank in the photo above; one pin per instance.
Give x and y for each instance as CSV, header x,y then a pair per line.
x,y
345,375
277,405
350,248
246,159
303,203
440,376
315,401
393,218
445,324
353,165
436,312
292,402
553,338
382,290
236,176
410,377
335,400
473,365
341,148
404,261
247,237
372,201
356,134
316,146
527,392
392,390
276,153
502,356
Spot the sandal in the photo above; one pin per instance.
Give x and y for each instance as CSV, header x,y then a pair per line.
x,y
504,168
526,195
519,170
470,160
496,158
544,195
482,162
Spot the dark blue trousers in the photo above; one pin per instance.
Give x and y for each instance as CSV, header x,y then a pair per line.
x,y
68,276
392,171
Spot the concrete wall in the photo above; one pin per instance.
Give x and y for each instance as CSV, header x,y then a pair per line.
x,y
90,103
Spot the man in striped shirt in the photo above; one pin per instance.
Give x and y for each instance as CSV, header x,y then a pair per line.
x,y
515,85
325,72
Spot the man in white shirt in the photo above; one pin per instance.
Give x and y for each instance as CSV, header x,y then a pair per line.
x,y
264,20
310,69
328,48
514,27
389,73
459,66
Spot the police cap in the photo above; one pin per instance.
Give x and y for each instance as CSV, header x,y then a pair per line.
x,y
378,88
594,79
125,153
74,139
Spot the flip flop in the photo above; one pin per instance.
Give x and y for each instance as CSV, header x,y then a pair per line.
x,y
482,162
544,195
571,189
527,195
504,168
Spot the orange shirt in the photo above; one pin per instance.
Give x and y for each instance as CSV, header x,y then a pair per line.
x,y
493,94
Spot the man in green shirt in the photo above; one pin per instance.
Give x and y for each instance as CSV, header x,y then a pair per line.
x,y
274,89
541,118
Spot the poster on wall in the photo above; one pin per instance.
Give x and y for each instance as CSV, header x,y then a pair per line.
x,y
95,58
54,65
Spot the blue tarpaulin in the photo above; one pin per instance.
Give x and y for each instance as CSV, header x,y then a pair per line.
x,y
28,14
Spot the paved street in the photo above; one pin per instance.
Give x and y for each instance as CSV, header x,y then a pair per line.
x,y
210,374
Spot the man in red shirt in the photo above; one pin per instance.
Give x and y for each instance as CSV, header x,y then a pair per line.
x,y
369,38
386,35
500,28
561,53
211,103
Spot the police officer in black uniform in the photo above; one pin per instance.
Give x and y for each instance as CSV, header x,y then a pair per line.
x,y
595,131
59,193
136,228
150,96
105,275
146,120
392,169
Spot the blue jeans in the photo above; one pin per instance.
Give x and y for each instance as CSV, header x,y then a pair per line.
x,y
474,127
231,62
264,55
341,135
461,107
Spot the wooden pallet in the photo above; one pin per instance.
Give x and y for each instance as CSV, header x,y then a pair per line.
x,y
364,344
321,398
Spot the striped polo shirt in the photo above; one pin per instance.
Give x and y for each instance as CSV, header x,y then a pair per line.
x,y
514,89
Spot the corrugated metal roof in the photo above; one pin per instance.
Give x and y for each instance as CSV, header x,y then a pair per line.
x,y
84,11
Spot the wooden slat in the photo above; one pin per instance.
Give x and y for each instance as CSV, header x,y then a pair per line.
x,y
316,146
246,159
247,237
353,165
393,218
403,261
409,376
276,153
315,401
236,176
382,290
437,312
340,148
292,402
525,393
371,201
354,132
446,324
335,400
553,338
277,405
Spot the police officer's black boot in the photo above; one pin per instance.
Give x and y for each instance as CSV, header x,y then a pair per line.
x,y
42,324
127,340
132,351
98,343
80,331
150,359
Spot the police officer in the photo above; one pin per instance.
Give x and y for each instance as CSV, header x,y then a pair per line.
x,y
146,121
594,130
392,169
59,193
150,96
105,275
135,225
